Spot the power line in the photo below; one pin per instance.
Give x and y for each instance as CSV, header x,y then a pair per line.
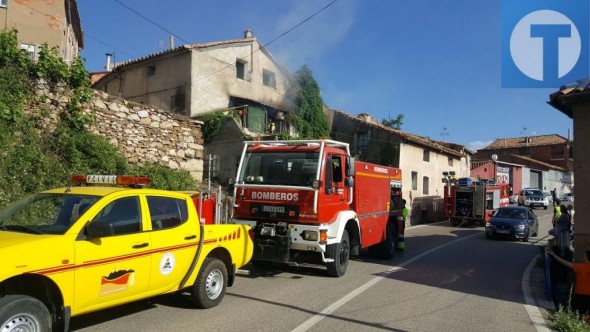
x,y
300,23
151,21
272,41
107,45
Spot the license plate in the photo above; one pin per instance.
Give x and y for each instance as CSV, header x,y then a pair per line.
x,y
503,231
273,209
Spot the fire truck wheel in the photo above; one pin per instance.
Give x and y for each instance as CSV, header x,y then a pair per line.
x,y
209,288
387,247
339,252
23,313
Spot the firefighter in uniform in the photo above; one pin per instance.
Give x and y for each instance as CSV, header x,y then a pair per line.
x,y
401,225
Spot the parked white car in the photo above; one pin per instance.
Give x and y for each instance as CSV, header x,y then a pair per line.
x,y
513,199
532,197
549,197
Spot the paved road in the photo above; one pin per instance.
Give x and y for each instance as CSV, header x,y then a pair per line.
x,y
449,279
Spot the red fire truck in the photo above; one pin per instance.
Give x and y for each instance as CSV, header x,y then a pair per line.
x,y
309,201
472,201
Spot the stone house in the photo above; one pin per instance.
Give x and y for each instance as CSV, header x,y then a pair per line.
x,y
201,78
238,77
421,159
56,23
574,101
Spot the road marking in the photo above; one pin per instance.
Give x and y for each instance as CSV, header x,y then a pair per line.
x,y
430,224
530,305
346,298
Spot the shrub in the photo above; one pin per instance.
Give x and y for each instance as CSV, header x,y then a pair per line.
x,y
165,178
568,321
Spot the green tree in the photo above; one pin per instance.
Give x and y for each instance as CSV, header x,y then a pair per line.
x,y
395,123
309,119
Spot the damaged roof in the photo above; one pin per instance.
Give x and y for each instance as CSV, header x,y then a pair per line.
x,y
452,149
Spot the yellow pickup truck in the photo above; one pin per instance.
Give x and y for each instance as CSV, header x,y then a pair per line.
x,y
74,250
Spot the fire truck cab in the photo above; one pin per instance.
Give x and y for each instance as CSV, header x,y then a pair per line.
x,y
309,201
472,201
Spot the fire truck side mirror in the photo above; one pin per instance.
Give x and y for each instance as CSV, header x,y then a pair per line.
x,y
349,166
349,182
231,181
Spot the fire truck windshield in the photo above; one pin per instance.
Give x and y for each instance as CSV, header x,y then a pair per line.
x,y
280,168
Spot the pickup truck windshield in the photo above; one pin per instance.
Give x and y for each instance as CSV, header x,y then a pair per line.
x,y
45,213
280,168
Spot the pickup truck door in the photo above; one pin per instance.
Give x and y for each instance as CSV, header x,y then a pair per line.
x,y
114,268
175,236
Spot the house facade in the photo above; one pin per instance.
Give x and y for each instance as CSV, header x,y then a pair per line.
x,y
551,149
574,102
201,78
56,23
421,160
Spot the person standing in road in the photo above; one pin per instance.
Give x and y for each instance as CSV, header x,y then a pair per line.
x,y
554,196
556,213
561,230
401,225
581,298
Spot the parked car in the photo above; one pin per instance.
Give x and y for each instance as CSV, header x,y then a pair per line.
x,y
513,199
549,197
517,222
569,197
532,197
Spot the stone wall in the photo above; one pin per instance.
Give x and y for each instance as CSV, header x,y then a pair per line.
x,y
142,133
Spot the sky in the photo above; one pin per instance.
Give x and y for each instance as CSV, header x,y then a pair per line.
x,y
437,62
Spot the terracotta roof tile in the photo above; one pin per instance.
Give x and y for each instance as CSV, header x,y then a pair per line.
x,y
528,161
559,99
519,142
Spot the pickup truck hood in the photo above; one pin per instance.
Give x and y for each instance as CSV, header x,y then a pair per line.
x,y
22,252
11,238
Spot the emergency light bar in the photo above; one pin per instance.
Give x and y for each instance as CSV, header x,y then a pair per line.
x,y
123,180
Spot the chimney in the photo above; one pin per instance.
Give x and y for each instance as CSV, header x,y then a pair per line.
x,y
108,60
171,42
248,33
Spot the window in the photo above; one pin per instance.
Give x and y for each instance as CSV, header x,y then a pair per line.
x,y
30,49
425,185
177,101
450,161
426,156
151,70
121,216
557,151
167,212
240,68
268,78
362,139
414,180
524,151
3,3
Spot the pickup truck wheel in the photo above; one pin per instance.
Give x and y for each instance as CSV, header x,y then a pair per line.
x,y
23,313
340,252
209,288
